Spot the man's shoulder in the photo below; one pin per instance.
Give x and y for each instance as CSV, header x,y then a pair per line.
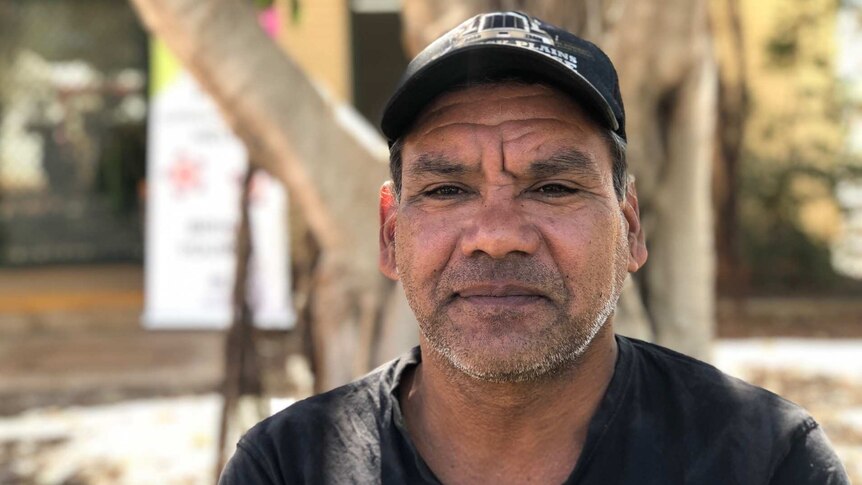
x,y
338,431
726,430
359,395
363,399
700,376
700,391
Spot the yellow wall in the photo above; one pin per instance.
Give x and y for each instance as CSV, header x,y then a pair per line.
x,y
319,40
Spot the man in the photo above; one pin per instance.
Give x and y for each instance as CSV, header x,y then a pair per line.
x,y
512,225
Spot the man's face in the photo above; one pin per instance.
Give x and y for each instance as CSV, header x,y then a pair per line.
x,y
508,236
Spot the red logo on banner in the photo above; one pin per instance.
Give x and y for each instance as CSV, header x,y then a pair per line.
x,y
185,174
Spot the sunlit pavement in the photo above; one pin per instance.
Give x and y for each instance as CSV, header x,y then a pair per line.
x,y
172,441
837,358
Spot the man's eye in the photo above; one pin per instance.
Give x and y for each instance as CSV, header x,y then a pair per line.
x,y
555,190
445,191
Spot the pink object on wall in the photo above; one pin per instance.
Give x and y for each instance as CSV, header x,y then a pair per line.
x,y
269,21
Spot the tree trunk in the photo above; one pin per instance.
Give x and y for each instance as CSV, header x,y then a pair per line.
x,y
733,108
331,162
662,50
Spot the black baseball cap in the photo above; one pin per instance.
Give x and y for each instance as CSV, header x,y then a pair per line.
x,y
501,45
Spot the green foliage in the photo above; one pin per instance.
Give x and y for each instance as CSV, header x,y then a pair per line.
x,y
262,4
792,155
779,256
295,10
783,47
795,29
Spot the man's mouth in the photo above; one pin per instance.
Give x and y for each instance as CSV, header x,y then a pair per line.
x,y
499,295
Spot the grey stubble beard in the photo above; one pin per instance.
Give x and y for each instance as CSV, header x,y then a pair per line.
x,y
558,347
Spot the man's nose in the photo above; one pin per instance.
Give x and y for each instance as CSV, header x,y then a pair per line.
x,y
498,229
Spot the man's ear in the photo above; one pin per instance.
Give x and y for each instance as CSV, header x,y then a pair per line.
x,y
388,216
636,239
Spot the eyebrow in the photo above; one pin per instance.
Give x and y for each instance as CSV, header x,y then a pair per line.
x,y
566,161
432,164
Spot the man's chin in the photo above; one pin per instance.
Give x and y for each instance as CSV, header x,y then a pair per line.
x,y
495,361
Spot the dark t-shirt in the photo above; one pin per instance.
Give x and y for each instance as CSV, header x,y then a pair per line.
x,y
665,419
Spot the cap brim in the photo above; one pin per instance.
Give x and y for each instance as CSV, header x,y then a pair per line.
x,y
481,62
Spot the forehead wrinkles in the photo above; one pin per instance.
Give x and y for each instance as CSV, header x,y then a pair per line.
x,y
493,111
510,91
517,122
535,136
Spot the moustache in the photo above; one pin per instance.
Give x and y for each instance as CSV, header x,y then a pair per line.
x,y
530,274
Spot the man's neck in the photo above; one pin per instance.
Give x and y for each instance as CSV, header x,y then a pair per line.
x,y
472,431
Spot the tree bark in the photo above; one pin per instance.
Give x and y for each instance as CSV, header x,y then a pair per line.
x,y
668,77
733,107
241,364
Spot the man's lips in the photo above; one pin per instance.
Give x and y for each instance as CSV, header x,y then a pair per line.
x,y
493,290
499,295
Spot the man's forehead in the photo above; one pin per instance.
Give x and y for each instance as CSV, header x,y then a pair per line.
x,y
475,92
494,103
530,120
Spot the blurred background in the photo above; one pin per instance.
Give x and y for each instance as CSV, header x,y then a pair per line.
x,y
188,210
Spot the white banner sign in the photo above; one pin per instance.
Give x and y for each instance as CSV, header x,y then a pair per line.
x,y
195,172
